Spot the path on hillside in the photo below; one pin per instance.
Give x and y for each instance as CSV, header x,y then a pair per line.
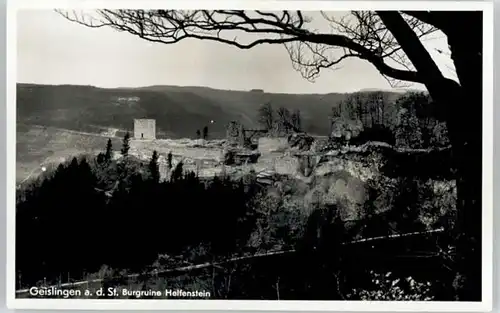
x,y
32,169
40,167
71,131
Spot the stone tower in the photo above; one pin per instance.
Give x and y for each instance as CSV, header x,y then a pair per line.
x,y
144,129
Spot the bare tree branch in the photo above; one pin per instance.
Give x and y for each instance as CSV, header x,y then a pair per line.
x,y
428,17
361,35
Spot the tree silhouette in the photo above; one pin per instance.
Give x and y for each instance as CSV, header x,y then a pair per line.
x,y
284,120
109,151
169,159
205,132
379,37
154,169
178,172
101,158
296,120
266,116
421,106
408,133
125,144
198,134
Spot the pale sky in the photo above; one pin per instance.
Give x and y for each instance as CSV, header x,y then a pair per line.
x,y
52,50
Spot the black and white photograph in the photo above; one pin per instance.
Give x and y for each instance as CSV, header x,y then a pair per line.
x,y
337,155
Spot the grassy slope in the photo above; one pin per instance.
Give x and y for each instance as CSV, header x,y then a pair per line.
x,y
36,145
178,111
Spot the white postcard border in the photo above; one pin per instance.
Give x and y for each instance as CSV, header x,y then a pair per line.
x,y
255,305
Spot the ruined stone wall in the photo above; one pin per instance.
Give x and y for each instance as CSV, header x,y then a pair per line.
x,y
144,149
235,133
286,165
269,145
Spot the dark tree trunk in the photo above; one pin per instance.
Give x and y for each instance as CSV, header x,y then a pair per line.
x,y
467,128
462,106
465,134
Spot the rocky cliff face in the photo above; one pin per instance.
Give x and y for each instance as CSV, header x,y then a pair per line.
x,y
347,176
327,176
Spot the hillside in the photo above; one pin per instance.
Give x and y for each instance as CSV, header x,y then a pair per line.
x,y
44,146
231,211
179,111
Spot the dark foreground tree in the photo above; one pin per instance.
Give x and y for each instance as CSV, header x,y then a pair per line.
x,y
125,144
169,160
205,132
154,169
383,38
109,151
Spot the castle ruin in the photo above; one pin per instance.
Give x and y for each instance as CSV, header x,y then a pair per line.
x,y
145,129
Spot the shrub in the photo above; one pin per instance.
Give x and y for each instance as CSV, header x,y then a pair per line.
x,y
387,288
439,137
229,157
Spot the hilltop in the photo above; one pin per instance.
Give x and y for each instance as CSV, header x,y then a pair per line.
x,y
179,111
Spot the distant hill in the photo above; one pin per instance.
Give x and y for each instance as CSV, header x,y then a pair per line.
x,y
392,90
179,111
